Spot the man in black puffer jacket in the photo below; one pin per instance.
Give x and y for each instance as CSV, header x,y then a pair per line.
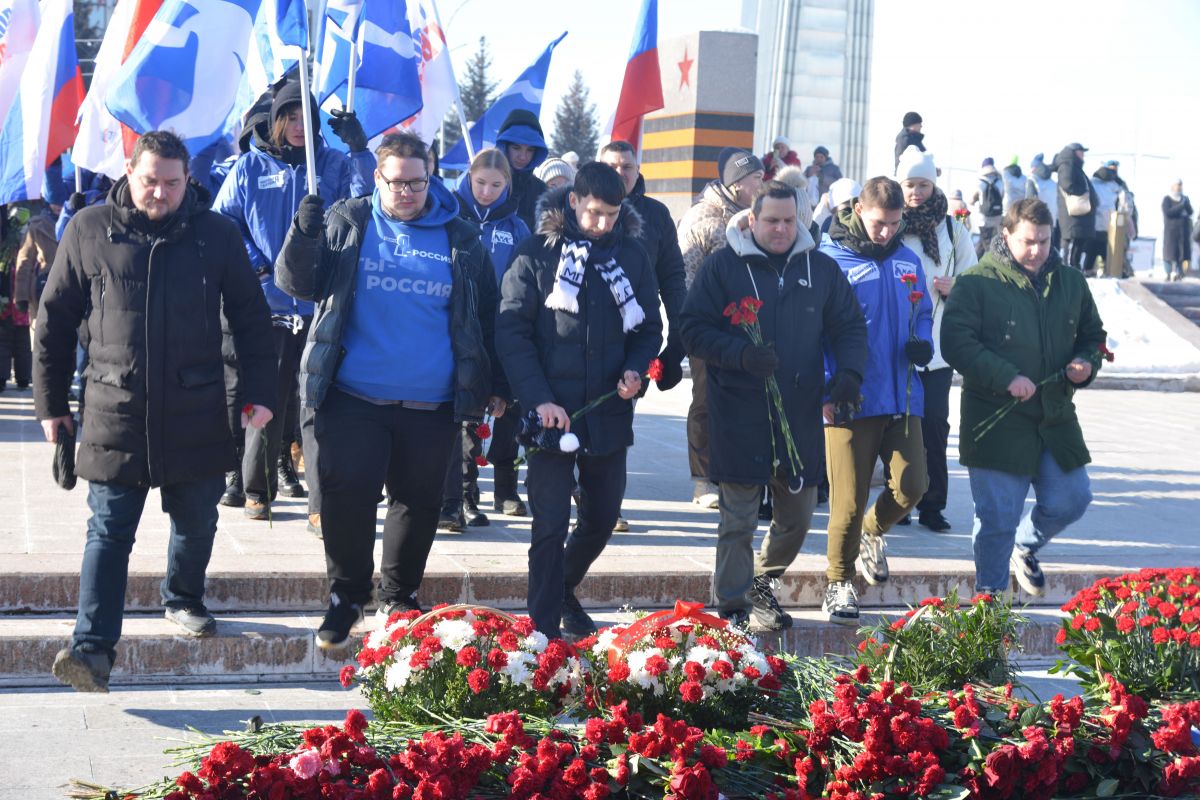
x,y
398,356
578,318
147,275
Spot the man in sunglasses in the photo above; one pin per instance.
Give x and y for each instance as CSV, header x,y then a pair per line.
x,y
398,355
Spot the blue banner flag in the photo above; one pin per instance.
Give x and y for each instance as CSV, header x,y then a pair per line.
x,y
525,93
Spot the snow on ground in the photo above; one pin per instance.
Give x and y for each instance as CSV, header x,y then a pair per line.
x,y
1141,342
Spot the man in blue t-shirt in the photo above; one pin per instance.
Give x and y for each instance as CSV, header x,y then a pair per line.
x,y
398,355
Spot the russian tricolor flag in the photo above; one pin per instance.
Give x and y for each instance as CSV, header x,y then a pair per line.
x,y
40,124
641,91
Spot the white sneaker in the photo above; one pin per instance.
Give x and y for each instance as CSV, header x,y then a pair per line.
x,y
705,495
872,559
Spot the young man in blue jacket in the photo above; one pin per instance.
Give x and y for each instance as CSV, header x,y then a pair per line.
x,y
865,241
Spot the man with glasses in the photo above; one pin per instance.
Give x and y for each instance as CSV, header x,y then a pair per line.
x,y
399,354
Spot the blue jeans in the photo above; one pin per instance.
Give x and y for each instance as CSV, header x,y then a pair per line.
x,y
116,510
1060,500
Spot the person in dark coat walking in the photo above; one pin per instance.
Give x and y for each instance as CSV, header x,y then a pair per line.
x,y
146,276
910,135
521,140
1019,326
1177,231
1076,229
806,300
579,317
398,355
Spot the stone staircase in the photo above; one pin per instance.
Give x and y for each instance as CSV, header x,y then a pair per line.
x,y
268,620
1183,296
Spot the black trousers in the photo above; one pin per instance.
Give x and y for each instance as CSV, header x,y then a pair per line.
x,y
312,473
558,561
364,448
462,474
697,420
16,354
263,445
1075,251
935,430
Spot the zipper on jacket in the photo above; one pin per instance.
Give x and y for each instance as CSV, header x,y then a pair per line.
x,y
103,290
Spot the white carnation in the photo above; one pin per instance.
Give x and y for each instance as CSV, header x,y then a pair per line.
x,y
535,641
454,633
399,672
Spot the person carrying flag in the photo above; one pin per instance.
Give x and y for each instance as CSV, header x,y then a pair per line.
x,y
262,193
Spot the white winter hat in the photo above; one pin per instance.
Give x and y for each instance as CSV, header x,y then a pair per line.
x,y
843,189
781,139
915,164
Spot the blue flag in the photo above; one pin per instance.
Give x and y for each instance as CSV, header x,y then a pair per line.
x,y
525,92
290,21
388,80
185,71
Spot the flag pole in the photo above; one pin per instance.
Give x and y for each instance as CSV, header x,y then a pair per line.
x,y
78,179
310,152
352,78
462,118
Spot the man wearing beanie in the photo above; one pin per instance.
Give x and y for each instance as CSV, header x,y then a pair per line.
x,y
524,145
909,136
702,233
989,198
945,249
821,174
781,155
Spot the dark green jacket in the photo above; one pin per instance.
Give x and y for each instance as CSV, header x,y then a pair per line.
x,y
998,326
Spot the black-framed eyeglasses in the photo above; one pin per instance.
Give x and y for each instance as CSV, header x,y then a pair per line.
x,y
415,186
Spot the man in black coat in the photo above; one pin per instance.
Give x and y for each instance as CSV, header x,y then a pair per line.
x,y
909,135
578,318
1077,229
147,275
806,303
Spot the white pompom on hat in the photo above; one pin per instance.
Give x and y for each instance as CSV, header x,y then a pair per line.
x,y
915,164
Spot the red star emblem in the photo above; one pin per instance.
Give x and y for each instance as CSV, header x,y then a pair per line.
x,y
685,69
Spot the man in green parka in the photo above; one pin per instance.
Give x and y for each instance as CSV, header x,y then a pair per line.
x,y
1020,326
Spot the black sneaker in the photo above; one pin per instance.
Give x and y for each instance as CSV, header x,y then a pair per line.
x,y
340,619
841,603
194,620
1028,572
234,497
934,521
389,607
512,507
83,671
736,617
289,482
452,520
766,610
575,621
472,515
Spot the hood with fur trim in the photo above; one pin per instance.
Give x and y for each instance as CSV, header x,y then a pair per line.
x,y
741,240
552,223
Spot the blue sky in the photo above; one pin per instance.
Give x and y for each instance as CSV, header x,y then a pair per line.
x,y
990,77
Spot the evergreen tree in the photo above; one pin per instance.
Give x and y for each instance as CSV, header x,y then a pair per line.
x,y
575,126
477,91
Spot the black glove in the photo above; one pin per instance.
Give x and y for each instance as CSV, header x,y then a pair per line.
x,y
76,202
345,126
310,218
761,362
918,351
844,388
672,368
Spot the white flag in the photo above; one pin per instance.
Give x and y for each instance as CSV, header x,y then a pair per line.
x,y
99,145
439,90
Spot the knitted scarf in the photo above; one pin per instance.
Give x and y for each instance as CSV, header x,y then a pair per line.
x,y
924,221
848,230
577,249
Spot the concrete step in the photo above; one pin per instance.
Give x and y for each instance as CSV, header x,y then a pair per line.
x,y
31,585
282,647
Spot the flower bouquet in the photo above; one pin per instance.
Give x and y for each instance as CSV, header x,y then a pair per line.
x,y
683,663
941,642
462,661
1142,627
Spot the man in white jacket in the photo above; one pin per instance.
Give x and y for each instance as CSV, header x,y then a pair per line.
x,y
945,249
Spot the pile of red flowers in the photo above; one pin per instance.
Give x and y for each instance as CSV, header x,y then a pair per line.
x,y
1143,628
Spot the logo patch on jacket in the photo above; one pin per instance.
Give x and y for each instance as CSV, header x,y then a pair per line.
x,y
501,237
866,271
902,268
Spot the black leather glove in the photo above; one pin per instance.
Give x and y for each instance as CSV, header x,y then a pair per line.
x,y
672,368
918,351
761,362
844,388
310,218
345,126
77,201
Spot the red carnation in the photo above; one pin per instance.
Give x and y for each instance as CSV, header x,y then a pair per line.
x,y
346,676
655,370
910,278
730,310
248,409
691,692
478,680
480,461
468,657
1105,353
483,431
914,297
